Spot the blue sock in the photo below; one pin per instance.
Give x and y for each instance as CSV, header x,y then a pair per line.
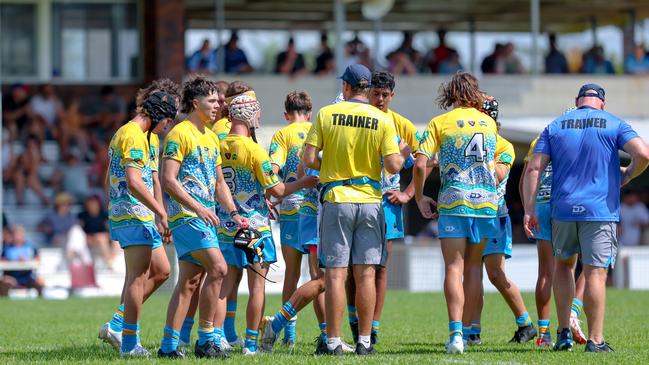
x,y
352,313
466,331
169,340
544,327
130,332
117,320
205,333
289,330
283,316
228,326
186,330
251,339
577,306
454,329
375,327
323,330
523,320
476,328
218,334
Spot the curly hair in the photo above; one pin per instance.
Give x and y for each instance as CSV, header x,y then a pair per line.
x,y
237,88
462,90
196,88
298,102
382,80
165,85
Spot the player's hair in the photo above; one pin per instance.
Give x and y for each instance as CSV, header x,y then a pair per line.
x,y
222,86
382,80
298,102
165,85
196,88
462,90
237,88
361,88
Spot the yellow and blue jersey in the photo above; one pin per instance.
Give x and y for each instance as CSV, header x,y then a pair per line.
x,y
248,172
198,154
284,151
504,155
130,147
310,202
465,139
545,186
221,127
407,132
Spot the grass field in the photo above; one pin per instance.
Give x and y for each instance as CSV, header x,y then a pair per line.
x,y
413,329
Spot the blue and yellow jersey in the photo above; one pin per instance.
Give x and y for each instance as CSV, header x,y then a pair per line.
x,y
353,136
407,132
504,155
129,147
221,127
248,172
545,185
466,141
284,151
198,154
310,203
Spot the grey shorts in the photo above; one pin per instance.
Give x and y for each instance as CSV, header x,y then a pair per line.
x,y
352,234
596,241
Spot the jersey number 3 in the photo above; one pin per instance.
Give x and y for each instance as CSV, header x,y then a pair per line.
x,y
228,176
476,148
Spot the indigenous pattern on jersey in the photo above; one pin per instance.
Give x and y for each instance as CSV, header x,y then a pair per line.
x,y
545,185
285,148
407,132
198,154
222,127
310,203
504,155
129,147
353,136
248,172
466,141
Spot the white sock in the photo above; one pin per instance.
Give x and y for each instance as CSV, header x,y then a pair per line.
x,y
333,342
365,340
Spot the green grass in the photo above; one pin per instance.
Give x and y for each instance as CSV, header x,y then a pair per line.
x,y
413,329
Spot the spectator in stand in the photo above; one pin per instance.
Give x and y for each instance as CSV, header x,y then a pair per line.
x,y
18,248
104,113
492,64
48,112
511,62
27,171
438,54
638,62
404,60
9,160
451,65
73,178
596,63
634,219
72,130
357,52
203,60
555,61
290,62
57,223
99,169
94,222
325,63
16,111
236,61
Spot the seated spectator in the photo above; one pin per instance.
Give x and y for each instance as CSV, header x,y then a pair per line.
x,y
236,61
99,169
596,63
555,61
438,54
9,160
492,64
94,222
73,178
27,171
451,64
48,112
634,219
357,52
16,111
511,63
638,62
72,129
290,62
325,63
18,248
57,223
404,60
203,60
105,113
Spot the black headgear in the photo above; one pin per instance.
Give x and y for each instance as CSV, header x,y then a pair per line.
x,y
249,241
160,106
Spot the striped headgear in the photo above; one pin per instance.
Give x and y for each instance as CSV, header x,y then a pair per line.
x,y
245,108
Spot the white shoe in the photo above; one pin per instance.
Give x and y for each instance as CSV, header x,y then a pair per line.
x,y
347,348
455,346
224,344
239,342
575,327
183,347
138,351
111,337
247,352
268,336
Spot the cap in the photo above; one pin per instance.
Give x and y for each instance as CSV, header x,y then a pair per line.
x,y
355,73
591,90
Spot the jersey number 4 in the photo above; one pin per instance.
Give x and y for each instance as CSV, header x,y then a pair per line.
x,y
476,148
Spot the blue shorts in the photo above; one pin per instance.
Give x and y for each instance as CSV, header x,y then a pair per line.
x,y
472,228
503,243
192,236
544,214
236,257
289,231
136,235
308,230
393,220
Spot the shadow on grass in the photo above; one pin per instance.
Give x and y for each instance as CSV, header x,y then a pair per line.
x,y
67,353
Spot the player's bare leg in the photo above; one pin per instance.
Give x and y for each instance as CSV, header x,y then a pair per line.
x,y
255,308
138,259
563,287
352,311
381,291
595,301
453,251
293,260
472,285
576,309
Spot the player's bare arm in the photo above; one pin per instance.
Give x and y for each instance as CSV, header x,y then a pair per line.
x,y
639,152
535,166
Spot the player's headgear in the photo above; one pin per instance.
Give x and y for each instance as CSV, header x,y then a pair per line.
x,y
245,108
159,106
249,241
490,106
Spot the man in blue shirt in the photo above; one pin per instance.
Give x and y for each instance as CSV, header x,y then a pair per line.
x,y
19,248
583,146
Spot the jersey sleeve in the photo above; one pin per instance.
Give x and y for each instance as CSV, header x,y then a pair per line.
x,y
278,150
174,148
389,141
625,134
504,152
314,138
531,150
134,152
543,143
263,169
430,140
154,155
408,132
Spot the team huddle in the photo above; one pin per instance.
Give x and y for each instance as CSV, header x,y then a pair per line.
x,y
334,187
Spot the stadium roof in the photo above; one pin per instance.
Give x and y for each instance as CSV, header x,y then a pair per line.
x,y
418,15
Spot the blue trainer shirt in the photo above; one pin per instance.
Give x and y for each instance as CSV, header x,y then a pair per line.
x,y
583,147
